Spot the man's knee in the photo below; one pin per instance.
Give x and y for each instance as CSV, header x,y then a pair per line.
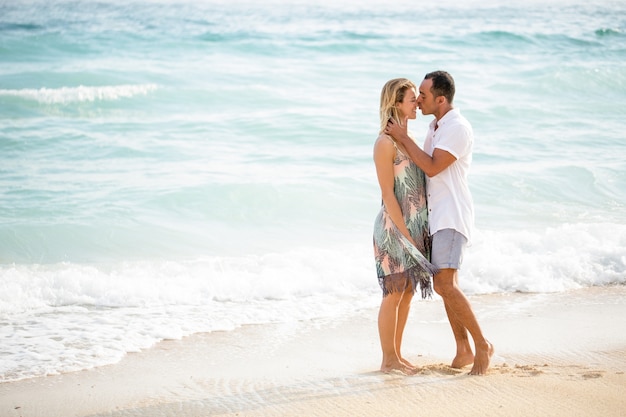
x,y
440,288
444,282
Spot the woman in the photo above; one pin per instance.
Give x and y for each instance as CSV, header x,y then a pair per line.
x,y
401,237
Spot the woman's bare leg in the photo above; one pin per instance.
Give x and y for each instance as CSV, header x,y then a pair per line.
x,y
387,327
403,315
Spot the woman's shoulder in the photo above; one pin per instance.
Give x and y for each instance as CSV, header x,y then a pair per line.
x,y
385,140
385,147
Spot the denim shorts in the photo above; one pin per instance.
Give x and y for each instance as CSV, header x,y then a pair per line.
x,y
448,248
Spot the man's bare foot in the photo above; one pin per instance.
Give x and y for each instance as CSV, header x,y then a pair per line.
x,y
482,359
462,359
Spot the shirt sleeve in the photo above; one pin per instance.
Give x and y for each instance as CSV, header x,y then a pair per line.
x,y
457,141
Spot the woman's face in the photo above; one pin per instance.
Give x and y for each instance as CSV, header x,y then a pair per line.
x,y
408,106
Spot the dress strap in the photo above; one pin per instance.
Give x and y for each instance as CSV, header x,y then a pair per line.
x,y
395,145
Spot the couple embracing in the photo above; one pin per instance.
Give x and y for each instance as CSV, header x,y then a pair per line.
x,y
426,218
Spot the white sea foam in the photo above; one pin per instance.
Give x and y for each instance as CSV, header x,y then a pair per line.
x,y
67,95
554,259
64,317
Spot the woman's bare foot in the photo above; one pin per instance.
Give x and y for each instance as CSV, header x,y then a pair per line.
x,y
482,359
408,364
397,365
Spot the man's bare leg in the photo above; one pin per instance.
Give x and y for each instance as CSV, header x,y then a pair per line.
x,y
464,355
387,326
445,283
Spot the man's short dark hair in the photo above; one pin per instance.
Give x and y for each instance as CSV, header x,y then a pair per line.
x,y
443,84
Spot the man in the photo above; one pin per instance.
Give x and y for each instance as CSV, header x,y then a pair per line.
x,y
446,159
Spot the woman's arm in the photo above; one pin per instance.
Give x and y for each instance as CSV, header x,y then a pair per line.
x,y
384,154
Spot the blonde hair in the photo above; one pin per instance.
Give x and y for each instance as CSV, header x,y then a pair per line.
x,y
393,92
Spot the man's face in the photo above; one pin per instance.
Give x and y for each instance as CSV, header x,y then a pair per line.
x,y
426,100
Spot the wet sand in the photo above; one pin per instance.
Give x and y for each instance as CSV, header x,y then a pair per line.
x,y
558,354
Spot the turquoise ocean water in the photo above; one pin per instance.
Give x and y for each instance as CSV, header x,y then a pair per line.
x,y
172,167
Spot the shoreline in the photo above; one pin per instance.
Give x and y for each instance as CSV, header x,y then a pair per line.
x,y
561,354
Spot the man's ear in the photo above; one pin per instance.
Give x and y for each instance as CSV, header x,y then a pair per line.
x,y
441,100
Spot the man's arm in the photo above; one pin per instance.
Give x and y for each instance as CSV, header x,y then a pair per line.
x,y
431,165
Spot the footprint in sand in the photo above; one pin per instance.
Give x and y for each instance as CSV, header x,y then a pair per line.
x,y
440,369
520,370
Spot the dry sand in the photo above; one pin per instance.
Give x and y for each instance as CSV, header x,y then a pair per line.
x,y
556,355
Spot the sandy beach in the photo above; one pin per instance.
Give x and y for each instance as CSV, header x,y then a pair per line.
x,y
561,354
